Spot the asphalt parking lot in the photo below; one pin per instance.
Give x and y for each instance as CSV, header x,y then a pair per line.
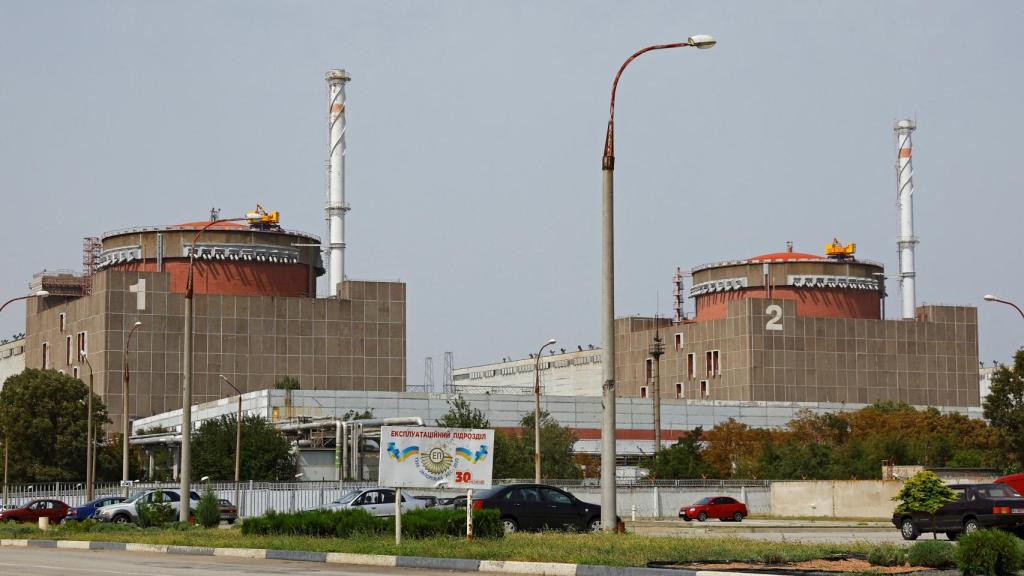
x,y
773,529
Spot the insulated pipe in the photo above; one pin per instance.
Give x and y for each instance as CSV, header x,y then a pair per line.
x,y
905,200
336,206
338,425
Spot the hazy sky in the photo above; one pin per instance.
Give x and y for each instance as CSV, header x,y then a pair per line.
x,y
475,135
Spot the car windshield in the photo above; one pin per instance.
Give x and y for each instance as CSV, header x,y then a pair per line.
x,y
702,501
348,496
135,497
997,491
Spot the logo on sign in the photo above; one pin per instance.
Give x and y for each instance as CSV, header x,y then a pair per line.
x,y
435,462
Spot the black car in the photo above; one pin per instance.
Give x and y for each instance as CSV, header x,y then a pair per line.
x,y
977,506
539,507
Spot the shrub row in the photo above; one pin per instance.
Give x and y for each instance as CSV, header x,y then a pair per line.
x,y
982,553
929,553
346,523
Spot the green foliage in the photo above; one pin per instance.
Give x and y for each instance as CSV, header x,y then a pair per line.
x,y
319,523
924,492
1004,405
43,416
154,514
681,460
461,414
73,526
887,555
513,453
353,415
207,512
431,522
932,554
108,460
266,455
989,553
287,383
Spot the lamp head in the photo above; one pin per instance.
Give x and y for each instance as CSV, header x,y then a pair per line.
x,y
42,293
552,341
137,324
989,297
702,41
204,478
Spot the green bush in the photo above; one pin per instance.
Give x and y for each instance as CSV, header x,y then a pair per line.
x,y
989,553
207,513
429,522
78,525
933,554
346,523
156,514
887,555
109,527
320,523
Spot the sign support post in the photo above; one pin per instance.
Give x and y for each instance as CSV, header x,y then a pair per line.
x,y
469,515
398,516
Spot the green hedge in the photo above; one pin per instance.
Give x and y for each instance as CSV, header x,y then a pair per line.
x,y
932,554
424,523
887,555
989,553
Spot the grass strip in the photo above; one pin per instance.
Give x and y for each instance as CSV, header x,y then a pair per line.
x,y
595,549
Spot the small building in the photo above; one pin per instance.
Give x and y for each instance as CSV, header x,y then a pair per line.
x,y
12,357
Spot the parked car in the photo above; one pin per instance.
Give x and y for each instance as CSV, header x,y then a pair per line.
x,y
453,503
721,507
127,511
228,511
536,507
428,501
977,506
55,510
376,501
85,511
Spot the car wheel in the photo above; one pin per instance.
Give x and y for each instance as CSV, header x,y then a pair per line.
x,y
510,524
737,517
594,525
971,525
702,516
952,535
231,520
908,530
687,519
121,519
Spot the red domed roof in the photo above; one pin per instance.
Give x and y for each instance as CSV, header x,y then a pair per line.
x,y
786,256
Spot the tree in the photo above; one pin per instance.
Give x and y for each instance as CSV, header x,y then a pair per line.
x,y
43,417
924,492
461,414
734,449
288,383
266,454
681,460
1004,405
513,453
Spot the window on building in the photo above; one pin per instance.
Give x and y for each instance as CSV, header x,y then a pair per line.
x,y
708,366
60,321
691,365
74,372
649,369
716,365
68,355
643,391
679,340
82,344
679,389
46,355
705,390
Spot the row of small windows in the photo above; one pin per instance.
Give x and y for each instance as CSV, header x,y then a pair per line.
x,y
72,352
521,368
704,390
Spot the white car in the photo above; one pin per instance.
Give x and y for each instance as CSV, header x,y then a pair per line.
x,y
128,511
376,501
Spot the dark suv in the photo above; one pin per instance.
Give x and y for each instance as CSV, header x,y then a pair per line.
x,y
977,506
536,507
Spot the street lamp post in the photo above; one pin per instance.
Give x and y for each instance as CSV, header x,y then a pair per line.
x,y
125,431
991,298
608,455
37,294
90,445
238,436
536,411
186,393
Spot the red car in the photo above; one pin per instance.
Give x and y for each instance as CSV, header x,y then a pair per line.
x,y
55,510
1015,481
721,507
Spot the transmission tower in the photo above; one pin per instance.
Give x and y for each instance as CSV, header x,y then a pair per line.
x,y
428,374
449,367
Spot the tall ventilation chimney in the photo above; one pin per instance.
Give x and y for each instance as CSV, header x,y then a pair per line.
x,y
336,206
905,201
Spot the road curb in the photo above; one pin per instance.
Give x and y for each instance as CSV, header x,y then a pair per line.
x,y
422,562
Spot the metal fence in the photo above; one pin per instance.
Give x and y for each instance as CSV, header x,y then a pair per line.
x,y
644,498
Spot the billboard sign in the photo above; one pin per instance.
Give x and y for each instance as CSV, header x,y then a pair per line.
x,y
424,457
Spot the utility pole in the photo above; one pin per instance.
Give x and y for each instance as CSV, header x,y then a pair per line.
x,y
656,350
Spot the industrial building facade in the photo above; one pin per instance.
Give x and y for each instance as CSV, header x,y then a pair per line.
x,y
255,320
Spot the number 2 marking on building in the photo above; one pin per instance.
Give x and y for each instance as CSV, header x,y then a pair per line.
x,y
775,322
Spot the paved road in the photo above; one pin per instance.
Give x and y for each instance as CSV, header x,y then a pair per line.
x,y
56,562
776,530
